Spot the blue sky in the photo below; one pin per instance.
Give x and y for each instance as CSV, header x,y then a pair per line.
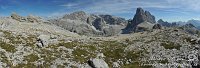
x,y
169,10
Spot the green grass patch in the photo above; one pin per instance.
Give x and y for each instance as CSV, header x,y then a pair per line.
x,y
68,44
171,45
7,47
82,55
136,65
29,65
31,58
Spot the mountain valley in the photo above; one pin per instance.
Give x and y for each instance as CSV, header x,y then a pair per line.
x,y
83,40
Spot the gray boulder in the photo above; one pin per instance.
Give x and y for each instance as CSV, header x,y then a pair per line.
x,y
43,40
157,26
98,63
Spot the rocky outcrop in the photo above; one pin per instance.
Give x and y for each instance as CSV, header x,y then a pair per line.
x,y
98,63
15,16
99,23
157,26
43,40
79,15
33,19
141,16
144,26
29,19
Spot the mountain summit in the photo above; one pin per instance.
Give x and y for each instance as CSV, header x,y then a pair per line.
x,y
83,23
140,16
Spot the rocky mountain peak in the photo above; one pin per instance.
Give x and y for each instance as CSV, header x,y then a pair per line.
x,y
160,21
139,11
91,24
112,20
164,23
79,15
140,16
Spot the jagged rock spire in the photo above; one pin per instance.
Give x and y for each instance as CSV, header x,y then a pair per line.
x,y
140,16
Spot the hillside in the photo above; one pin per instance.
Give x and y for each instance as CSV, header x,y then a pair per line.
x,y
80,40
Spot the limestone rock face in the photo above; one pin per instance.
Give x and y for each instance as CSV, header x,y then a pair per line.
x,y
17,17
144,26
140,17
99,23
112,20
79,15
29,19
91,24
33,19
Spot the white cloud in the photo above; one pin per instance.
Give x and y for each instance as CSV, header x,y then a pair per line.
x,y
187,5
117,7
126,6
111,6
69,5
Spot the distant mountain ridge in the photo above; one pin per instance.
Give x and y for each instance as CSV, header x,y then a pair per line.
x,y
196,23
91,24
107,25
167,24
